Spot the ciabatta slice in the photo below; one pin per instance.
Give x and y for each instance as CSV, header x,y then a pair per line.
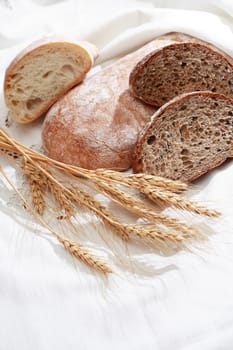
x,y
42,73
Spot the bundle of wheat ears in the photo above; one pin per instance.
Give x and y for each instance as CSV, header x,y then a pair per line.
x,y
70,187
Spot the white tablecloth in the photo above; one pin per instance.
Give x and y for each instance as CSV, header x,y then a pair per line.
x,y
48,300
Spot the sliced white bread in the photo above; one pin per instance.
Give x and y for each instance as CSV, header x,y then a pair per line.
x,y
42,73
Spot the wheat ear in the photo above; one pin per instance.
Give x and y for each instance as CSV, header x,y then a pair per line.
x,y
153,232
38,186
139,181
81,253
162,197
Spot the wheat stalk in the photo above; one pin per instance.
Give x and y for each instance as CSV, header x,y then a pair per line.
x,y
143,182
64,195
70,186
138,180
72,247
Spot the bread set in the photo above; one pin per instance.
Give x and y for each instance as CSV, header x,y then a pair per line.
x,y
111,120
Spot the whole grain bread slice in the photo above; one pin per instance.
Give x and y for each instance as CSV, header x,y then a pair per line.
x,y
42,73
184,66
187,137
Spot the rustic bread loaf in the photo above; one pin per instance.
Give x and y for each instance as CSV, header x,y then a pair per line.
x,y
187,137
42,73
96,124
175,68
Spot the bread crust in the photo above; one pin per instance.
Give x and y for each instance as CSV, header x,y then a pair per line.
x,y
55,43
137,164
183,40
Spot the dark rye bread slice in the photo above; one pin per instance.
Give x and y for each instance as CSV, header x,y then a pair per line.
x,y
184,66
187,137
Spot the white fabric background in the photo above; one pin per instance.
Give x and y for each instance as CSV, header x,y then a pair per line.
x,y
48,300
